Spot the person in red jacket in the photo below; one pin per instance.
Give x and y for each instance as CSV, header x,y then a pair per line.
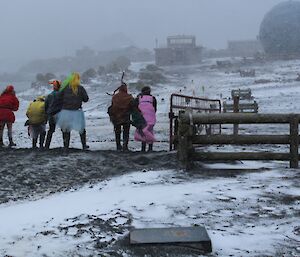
x,y
9,103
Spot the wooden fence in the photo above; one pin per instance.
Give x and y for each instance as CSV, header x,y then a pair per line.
x,y
248,107
242,107
243,94
187,139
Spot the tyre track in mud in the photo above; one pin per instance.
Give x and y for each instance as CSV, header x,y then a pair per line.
x,y
35,173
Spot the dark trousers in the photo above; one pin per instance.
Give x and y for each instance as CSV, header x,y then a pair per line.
x,y
37,131
9,133
9,128
119,128
52,126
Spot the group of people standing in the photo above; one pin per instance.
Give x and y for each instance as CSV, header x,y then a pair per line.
x,y
140,112
63,108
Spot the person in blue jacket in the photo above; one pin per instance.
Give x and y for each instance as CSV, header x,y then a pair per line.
x,y
53,105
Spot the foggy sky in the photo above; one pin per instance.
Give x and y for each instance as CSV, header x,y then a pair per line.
x,y
52,28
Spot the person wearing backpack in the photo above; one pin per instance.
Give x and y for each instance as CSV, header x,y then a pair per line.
x,y
119,113
37,120
9,104
53,105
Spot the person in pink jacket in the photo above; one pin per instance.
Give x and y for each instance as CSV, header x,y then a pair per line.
x,y
147,104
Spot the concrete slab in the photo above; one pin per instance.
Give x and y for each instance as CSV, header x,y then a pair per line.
x,y
196,237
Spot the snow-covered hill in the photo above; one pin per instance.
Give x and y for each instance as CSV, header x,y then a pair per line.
x,y
254,212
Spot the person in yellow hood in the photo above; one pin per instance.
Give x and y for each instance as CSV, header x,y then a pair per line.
x,y
37,119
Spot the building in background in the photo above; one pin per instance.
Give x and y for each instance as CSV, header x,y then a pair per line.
x,y
180,50
244,48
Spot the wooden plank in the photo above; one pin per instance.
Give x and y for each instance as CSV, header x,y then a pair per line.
x,y
230,107
195,108
241,139
251,156
242,93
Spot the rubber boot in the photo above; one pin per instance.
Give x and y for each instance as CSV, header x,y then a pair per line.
x,y
1,134
11,142
143,147
118,141
125,147
42,139
83,140
150,149
66,138
48,140
34,142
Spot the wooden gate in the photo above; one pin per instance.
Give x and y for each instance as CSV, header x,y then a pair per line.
x,y
179,103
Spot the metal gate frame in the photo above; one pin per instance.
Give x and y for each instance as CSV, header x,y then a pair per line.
x,y
198,104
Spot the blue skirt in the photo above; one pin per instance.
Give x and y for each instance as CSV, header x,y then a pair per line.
x,y
69,120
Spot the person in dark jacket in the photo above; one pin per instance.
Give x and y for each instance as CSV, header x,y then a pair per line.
x,y
9,103
119,113
53,105
71,117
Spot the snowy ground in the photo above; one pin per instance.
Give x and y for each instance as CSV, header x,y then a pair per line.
x,y
84,203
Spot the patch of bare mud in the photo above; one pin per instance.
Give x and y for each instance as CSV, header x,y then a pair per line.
x,y
25,172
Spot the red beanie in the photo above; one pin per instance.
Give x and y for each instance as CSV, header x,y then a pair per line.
x,y
10,89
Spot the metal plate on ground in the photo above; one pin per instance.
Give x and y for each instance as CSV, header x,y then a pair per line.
x,y
196,236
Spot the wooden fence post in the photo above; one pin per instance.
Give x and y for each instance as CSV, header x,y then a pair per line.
x,y
294,142
171,137
175,142
185,144
236,100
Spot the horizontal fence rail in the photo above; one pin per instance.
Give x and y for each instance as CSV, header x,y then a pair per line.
x,y
188,139
250,156
240,118
241,139
242,93
242,107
